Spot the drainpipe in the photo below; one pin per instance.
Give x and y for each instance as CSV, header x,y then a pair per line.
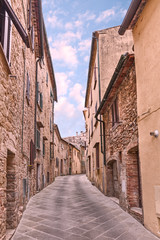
x,y
103,147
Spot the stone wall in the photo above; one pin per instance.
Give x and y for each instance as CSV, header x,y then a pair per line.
x,y
17,126
122,145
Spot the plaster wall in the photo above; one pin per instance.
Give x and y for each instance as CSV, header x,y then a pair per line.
x,y
147,51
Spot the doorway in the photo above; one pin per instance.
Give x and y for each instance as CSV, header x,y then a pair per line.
x,y
38,177
112,179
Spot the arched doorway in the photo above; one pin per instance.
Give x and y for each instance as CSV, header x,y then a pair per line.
x,y
133,178
112,179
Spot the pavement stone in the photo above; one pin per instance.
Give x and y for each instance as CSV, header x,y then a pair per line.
x,y
72,208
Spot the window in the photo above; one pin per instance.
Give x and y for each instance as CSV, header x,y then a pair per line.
x,y
28,88
95,76
38,140
43,147
30,26
5,31
88,112
91,97
50,124
97,155
92,126
32,152
51,150
115,113
47,177
57,162
47,79
89,159
41,100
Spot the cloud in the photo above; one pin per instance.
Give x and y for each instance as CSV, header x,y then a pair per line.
x,y
54,21
69,26
76,93
64,109
86,58
69,36
87,16
65,54
105,15
84,45
62,82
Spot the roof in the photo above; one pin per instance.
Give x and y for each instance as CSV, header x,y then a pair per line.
x,y
38,27
91,63
123,65
50,65
132,15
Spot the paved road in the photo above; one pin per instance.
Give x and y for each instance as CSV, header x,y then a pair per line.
x,y
72,209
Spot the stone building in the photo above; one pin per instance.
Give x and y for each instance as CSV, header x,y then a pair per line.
x,y
80,142
119,111
107,46
26,81
143,18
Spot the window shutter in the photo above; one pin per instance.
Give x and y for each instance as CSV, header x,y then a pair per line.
x,y
47,79
37,92
32,152
97,155
32,37
29,14
38,139
28,88
41,100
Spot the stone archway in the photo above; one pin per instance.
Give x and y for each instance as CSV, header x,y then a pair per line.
x,y
133,178
112,179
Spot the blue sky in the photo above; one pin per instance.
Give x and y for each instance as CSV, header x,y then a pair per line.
x,y
69,25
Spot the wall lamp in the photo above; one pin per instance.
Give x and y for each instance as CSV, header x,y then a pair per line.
x,y
155,133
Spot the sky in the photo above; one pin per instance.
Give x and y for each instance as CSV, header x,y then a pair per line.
x,y
70,24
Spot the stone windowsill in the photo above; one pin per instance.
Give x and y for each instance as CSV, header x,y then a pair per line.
x,y
136,210
5,59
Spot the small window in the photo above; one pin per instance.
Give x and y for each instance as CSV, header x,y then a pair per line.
x,y
28,88
95,76
47,79
115,112
38,140
97,155
43,147
57,162
41,100
51,151
32,152
47,177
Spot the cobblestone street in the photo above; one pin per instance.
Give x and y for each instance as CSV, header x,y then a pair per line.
x,y
71,208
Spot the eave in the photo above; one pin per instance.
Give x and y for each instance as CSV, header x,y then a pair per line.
x,y
38,27
132,15
124,64
91,65
49,62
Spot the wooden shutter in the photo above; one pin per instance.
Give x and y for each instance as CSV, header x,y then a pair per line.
x,y
28,88
97,155
29,14
32,152
38,139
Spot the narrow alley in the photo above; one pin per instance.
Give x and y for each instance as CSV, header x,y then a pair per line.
x,y
71,208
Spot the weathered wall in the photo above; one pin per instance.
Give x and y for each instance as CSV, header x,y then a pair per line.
x,y
120,139
17,127
147,50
